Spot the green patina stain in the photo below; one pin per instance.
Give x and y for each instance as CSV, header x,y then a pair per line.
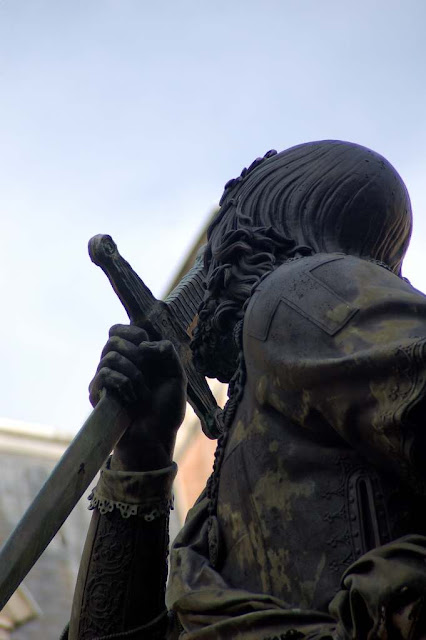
x,y
239,432
279,560
309,586
274,446
257,542
339,313
274,491
259,423
233,519
261,389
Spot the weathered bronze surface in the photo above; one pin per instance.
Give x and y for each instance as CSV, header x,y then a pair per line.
x,y
313,522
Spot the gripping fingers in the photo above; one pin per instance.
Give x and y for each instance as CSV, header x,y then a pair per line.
x,y
124,347
129,332
113,381
117,362
160,358
119,375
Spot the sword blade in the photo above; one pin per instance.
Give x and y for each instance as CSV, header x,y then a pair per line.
x,y
66,484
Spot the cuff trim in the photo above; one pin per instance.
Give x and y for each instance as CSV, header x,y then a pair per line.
x,y
146,494
147,512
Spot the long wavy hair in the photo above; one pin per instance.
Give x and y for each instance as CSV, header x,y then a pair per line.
x,y
316,197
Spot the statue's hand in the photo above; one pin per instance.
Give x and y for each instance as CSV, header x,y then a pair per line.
x,y
149,379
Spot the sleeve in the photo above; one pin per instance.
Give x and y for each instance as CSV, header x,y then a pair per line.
x,y
148,494
338,345
121,582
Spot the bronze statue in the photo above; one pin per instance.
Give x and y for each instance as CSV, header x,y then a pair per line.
x,y
312,524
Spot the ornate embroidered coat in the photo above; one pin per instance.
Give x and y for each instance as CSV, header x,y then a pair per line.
x,y
326,455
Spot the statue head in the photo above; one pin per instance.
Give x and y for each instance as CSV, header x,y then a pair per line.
x,y
327,196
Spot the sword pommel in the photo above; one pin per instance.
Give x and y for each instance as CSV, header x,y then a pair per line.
x,y
102,249
133,293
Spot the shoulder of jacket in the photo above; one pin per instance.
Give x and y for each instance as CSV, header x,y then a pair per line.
x,y
323,288
335,268
299,273
308,264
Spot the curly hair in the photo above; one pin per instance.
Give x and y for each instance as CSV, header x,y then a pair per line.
x,y
239,262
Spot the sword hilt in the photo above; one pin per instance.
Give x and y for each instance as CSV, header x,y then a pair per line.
x,y
167,320
133,293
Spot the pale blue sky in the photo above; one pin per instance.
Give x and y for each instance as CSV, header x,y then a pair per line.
x,y
127,117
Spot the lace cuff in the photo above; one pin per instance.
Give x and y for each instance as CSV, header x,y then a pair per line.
x,y
146,494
